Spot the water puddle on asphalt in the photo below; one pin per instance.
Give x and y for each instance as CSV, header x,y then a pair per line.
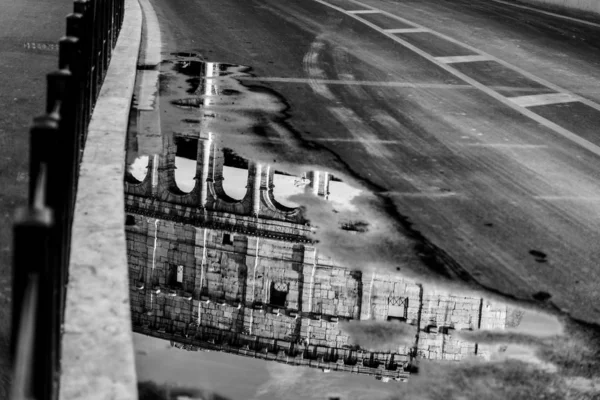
x,y
253,278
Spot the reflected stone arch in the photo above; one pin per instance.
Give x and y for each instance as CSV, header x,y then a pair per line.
x,y
135,186
208,193
139,164
168,190
218,199
186,159
298,187
230,184
268,198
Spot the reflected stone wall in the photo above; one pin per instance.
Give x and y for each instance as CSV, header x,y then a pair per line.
x,y
238,287
208,271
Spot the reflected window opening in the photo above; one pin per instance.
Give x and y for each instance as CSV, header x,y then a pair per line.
x,y
227,239
279,293
176,276
397,308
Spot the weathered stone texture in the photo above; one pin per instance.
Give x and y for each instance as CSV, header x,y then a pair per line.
x,y
273,289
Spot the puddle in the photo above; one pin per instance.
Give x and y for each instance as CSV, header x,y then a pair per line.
x,y
233,289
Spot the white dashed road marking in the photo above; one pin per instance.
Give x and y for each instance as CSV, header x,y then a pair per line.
x,y
507,145
487,90
462,59
543,99
359,83
569,198
403,30
346,140
373,11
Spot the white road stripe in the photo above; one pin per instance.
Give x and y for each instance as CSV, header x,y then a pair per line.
x,y
543,99
423,194
361,132
408,85
364,11
568,198
344,140
475,50
507,145
530,114
405,30
359,83
461,59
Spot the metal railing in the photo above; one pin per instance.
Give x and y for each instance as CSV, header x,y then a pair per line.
x,y
42,230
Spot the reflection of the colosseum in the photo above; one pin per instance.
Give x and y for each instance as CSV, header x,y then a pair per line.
x,y
242,276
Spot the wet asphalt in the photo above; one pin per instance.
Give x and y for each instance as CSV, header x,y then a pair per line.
x,y
29,31
490,187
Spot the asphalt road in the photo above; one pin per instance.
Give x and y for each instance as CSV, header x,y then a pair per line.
x,y
477,120
29,31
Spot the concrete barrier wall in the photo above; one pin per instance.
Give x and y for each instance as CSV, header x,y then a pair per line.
x,y
97,360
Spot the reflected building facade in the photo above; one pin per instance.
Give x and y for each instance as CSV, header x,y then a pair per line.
x,y
244,276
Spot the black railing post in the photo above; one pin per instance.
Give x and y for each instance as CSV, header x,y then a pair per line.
x,y
104,39
83,8
86,9
31,235
42,232
43,142
23,352
71,57
94,22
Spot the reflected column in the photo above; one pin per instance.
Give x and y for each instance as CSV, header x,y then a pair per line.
x,y
202,167
256,181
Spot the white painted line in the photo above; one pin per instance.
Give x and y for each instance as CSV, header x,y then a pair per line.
x,y
543,99
349,82
406,30
423,194
581,21
593,148
372,11
462,59
475,50
568,198
507,145
363,134
359,83
345,140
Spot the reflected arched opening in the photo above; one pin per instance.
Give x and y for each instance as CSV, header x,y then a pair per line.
x,y
185,163
286,186
139,169
235,175
234,182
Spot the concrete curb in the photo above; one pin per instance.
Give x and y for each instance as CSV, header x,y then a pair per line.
x,y
150,55
97,355
146,105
